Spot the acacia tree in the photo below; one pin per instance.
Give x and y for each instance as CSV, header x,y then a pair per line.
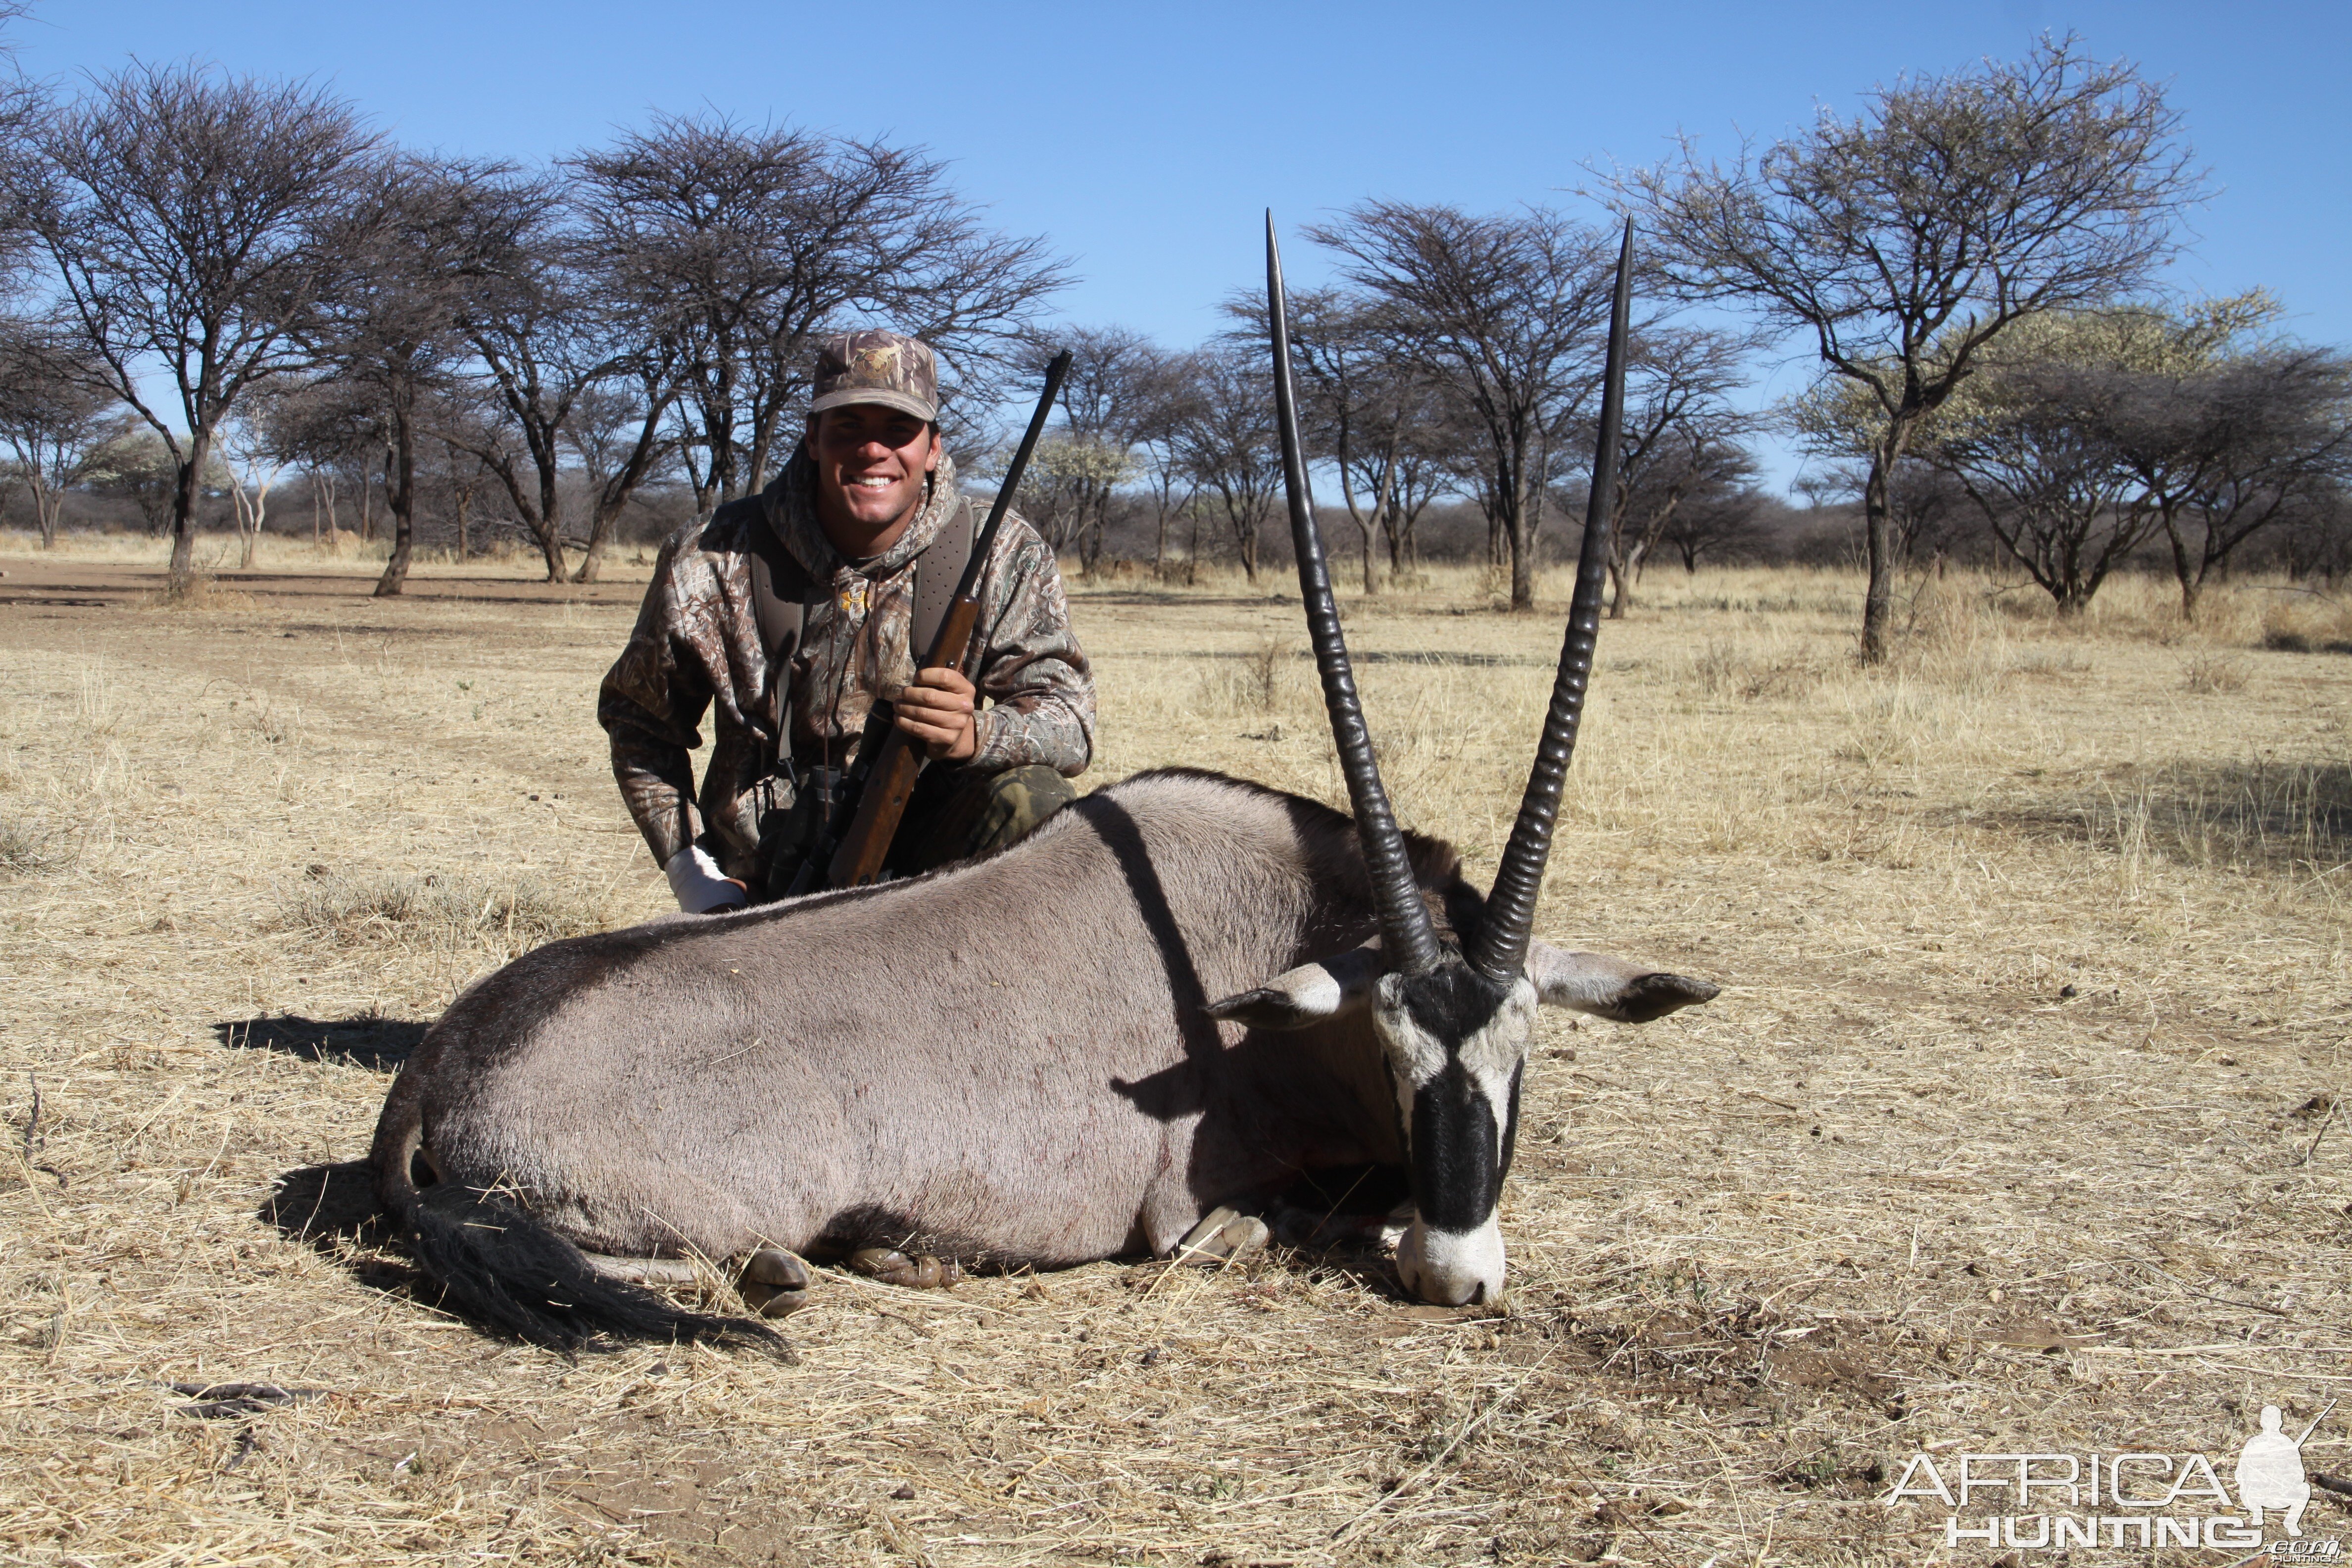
x,y
2223,436
326,428
687,222
1429,433
1711,524
2027,448
456,470
254,449
1229,442
1907,240
749,244
2265,439
1693,469
1508,311
1068,489
1170,401
389,329
1106,402
193,219
1359,387
133,463
1678,439
537,340
2316,535
619,429
53,417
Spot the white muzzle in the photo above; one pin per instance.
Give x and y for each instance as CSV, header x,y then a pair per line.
x,y
1453,1267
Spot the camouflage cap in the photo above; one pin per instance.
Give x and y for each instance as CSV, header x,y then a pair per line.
x,y
887,368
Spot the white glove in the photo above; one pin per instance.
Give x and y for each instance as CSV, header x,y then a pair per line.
x,y
698,883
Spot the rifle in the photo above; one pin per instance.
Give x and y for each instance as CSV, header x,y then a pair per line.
x,y
874,797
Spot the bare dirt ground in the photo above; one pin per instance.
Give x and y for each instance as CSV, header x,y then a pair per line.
x,y
2015,1128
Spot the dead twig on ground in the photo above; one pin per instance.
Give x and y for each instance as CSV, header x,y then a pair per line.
x,y
35,1141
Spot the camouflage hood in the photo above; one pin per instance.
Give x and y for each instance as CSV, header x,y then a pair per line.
x,y
791,509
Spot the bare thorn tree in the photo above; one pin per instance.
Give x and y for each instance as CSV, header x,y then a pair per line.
x,y
2225,437
619,428
1679,440
1508,311
390,326
1108,403
254,449
1230,443
1904,240
192,218
538,340
748,245
1358,395
1171,388
53,416
2026,448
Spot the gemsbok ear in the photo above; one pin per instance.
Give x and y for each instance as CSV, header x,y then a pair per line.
x,y
1609,987
1307,995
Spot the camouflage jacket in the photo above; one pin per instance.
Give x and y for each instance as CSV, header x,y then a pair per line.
x,y
697,646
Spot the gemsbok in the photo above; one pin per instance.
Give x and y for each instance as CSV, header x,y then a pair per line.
x,y
1181,994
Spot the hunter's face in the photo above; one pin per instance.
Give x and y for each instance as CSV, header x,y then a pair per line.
x,y
871,463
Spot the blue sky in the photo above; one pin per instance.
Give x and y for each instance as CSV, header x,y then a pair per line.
x,y
1145,140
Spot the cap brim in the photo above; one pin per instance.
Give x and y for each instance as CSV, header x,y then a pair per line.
x,y
905,402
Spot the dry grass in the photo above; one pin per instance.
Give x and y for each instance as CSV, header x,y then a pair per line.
x,y
2308,622
343,552
2013,1126
196,591
442,913
27,847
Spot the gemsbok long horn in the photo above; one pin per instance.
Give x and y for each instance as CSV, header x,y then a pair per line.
x,y
1500,949
1407,936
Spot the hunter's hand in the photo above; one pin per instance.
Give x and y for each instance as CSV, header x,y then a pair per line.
x,y
935,709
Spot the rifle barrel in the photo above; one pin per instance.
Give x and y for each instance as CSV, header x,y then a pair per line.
x,y
890,780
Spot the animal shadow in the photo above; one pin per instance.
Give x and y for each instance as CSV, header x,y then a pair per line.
x,y
331,1210
322,1205
378,1043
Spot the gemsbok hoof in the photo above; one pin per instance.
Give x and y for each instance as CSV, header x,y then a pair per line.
x,y
893,1267
1224,1235
774,1284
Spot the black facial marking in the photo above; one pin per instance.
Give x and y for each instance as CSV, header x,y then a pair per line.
x,y
1455,1178
1510,1125
1452,1003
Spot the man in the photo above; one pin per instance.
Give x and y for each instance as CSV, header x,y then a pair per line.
x,y
838,544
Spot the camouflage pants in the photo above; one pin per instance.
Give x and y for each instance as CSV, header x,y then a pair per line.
x,y
959,814
955,814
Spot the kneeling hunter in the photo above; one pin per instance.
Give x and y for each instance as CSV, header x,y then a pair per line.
x,y
788,615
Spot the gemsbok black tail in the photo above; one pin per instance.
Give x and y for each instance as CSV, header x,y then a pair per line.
x,y
501,1267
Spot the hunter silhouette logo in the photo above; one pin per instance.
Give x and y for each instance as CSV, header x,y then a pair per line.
x,y
2269,1472
2051,1502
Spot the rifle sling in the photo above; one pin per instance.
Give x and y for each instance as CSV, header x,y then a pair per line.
x,y
782,590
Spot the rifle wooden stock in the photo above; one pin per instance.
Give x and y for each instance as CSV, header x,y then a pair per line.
x,y
891,779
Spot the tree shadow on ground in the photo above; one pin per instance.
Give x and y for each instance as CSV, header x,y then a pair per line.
x,y
377,1043
2258,816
